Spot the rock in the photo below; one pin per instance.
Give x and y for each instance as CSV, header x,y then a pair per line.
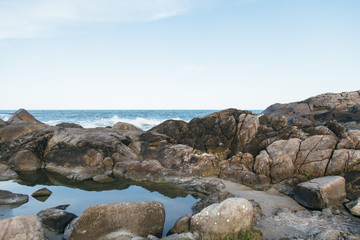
x,y
188,236
103,178
216,197
69,228
125,126
324,107
68,125
25,160
314,155
22,115
321,192
19,129
108,221
354,207
333,235
182,225
7,197
55,219
2,123
225,219
21,228
6,173
41,192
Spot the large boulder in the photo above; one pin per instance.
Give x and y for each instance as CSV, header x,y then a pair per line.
x,y
21,228
111,221
55,219
225,219
216,197
17,129
22,115
25,160
321,192
125,126
324,107
7,197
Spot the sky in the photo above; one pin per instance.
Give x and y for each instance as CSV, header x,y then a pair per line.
x,y
175,54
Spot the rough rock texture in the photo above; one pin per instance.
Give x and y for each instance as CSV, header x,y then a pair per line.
x,y
22,115
55,219
69,125
21,228
182,225
108,221
342,107
7,197
354,207
125,126
226,219
216,197
17,129
222,134
6,173
41,192
2,123
25,160
321,192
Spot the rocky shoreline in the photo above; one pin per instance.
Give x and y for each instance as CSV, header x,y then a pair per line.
x,y
308,151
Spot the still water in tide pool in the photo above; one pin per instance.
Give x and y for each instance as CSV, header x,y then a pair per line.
x,y
81,195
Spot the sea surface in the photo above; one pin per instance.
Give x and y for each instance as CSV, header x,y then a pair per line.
x,y
143,119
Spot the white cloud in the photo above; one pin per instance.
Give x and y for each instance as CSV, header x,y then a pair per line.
x,y
34,18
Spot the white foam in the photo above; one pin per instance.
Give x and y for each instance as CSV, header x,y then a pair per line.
x,y
142,123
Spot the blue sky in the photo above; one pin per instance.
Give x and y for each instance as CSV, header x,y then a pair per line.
x,y
175,54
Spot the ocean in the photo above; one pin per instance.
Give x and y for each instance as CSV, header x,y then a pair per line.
x,y
143,119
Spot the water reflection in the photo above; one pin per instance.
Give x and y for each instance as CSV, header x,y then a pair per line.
x,y
81,195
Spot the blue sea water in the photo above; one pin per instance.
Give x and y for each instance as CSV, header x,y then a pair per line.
x,y
143,119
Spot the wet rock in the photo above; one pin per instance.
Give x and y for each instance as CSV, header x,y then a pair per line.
x,y
226,219
216,197
22,228
108,221
55,219
7,197
354,207
103,178
125,126
321,192
41,192
6,173
68,125
182,225
25,160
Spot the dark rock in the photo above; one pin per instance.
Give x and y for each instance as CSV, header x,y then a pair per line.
x,y
2,123
18,129
354,207
22,115
68,125
7,197
321,192
41,192
216,197
6,173
22,227
182,225
337,128
69,228
55,219
116,219
25,160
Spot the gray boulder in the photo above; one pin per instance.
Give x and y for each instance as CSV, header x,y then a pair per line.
x,y
22,228
222,220
55,219
321,192
7,197
111,221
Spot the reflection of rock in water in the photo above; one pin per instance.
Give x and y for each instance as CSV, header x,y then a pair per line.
x,y
304,223
47,178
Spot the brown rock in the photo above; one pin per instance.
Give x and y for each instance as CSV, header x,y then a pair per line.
x,y
41,192
25,160
21,228
110,221
125,126
22,115
321,192
18,129
182,225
